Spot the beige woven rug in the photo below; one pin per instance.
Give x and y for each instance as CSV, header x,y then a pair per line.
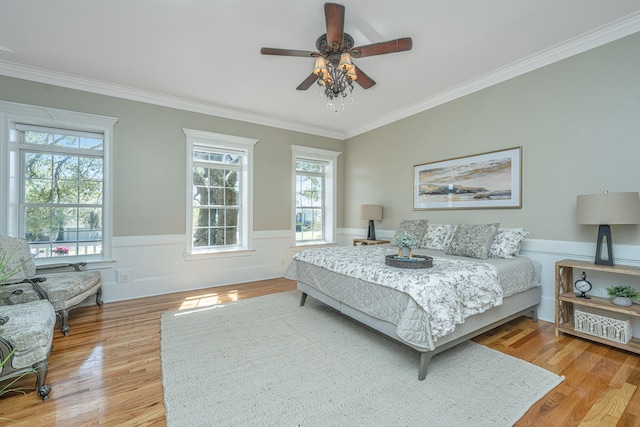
x,y
267,361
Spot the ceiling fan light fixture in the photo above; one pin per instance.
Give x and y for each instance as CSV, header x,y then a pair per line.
x,y
336,83
333,71
320,67
352,74
345,62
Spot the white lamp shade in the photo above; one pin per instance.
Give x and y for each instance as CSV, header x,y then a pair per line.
x,y
609,208
373,212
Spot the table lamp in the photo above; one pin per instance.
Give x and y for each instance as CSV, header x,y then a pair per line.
x,y
371,213
605,209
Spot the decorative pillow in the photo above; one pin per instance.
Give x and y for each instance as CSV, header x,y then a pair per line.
x,y
473,240
16,262
507,243
415,227
438,236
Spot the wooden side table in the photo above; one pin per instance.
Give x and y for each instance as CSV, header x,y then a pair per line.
x,y
369,242
567,300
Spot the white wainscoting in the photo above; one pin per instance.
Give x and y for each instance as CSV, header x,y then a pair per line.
x,y
156,265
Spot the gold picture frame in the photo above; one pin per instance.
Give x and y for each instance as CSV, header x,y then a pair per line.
x,y
491,180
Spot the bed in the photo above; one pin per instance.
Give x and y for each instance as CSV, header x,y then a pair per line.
x,y
417,307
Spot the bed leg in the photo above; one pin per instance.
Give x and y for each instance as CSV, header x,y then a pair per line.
x,y
303,299
534,314
425,358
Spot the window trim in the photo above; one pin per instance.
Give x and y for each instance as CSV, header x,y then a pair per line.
x,y
228,142
13,113
330,196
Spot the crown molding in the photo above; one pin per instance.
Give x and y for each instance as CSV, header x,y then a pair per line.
x,y
615,30
13,69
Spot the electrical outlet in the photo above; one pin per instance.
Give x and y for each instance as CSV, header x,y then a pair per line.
x,y
125,275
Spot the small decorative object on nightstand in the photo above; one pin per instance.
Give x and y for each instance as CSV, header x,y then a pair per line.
x,y
622,295
583,286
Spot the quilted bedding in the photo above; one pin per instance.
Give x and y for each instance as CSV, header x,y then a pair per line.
x,y
424,304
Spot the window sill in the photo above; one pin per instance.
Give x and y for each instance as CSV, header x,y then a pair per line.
x,y
195,256
305,245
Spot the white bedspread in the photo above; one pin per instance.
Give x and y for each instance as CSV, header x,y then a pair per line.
x,y
449,292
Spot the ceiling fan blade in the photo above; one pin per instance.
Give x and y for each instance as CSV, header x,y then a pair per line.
x,y
306,84
334,15
391,46
363,80
287,52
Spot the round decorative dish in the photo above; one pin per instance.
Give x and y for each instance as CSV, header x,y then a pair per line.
x,y
418,261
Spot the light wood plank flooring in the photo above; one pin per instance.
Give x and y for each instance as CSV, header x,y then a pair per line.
x,y
107,371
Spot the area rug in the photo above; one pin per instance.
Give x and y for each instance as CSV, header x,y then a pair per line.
x,y
267,361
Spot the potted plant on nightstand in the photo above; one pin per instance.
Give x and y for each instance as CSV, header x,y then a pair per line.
x,y
622,295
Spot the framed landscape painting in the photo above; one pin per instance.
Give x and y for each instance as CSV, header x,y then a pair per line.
x,y
483,181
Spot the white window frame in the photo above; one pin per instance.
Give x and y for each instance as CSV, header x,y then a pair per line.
x,y
330,219
12,114
223,142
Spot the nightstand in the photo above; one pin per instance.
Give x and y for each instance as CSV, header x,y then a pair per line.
x,y
369,242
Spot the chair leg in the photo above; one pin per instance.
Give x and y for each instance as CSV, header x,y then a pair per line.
x,y
64,319
99,297
41,369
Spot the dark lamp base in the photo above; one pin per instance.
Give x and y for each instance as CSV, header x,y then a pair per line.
x,y
371,234
604,237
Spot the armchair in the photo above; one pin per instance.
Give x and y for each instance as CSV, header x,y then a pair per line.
x,y
26,335
65,290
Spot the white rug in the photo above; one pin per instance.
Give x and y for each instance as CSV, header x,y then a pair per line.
x,y
268,361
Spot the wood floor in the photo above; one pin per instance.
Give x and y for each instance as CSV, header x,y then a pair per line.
x,y
107,371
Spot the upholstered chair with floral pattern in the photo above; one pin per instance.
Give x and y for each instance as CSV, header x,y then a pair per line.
x,y
64,289
26,336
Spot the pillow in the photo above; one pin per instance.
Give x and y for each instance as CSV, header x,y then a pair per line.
x,y
15,256
415,227
438,236
473,240
507,243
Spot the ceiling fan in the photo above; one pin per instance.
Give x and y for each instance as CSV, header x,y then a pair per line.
x,y
334,69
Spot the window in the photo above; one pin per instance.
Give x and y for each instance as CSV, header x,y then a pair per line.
x,y
314,195
56,191
310,203
219,192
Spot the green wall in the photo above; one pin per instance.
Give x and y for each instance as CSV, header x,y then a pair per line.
x,y
577,120
149,158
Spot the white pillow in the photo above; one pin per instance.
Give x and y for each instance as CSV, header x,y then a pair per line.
x,y
507,243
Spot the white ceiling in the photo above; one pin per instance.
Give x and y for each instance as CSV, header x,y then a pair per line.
x,y
204,55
